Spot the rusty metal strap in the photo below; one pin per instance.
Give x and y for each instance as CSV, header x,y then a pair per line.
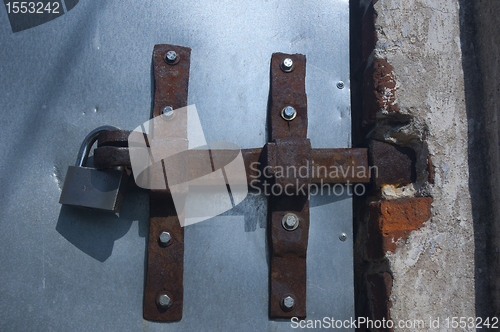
x,y
288,89
163,292
288,256
289,147
113,138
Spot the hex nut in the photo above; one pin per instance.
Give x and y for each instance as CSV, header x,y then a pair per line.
x,y
163,301
165,238
288,113
287,303
290,221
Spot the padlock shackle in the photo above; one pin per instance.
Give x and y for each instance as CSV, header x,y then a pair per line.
x,y
83,154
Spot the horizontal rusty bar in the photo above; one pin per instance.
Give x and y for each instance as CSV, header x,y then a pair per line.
x,y
111,156
113,138
340,165
327,166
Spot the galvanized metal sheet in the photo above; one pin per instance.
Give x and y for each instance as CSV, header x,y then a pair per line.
x,y
68,269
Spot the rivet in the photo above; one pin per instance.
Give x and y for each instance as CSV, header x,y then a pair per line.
x,y
340,85
343,237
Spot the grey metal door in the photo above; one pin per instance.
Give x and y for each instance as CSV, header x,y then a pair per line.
x,y
66,269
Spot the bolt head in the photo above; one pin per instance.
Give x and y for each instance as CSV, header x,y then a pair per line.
x,y
165,238
167,113
288,113
287,65
343,237
340,85
290,221
164,301
288,302
171,57
168,110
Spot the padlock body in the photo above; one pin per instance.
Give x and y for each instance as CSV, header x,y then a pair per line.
x,y
93,188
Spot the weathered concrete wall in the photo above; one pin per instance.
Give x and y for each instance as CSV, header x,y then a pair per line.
x,y
434,270
432,267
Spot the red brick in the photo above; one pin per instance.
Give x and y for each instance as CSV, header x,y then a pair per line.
x,y
391,221
379,90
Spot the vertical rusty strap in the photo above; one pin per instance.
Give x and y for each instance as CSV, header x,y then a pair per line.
x,y
164,272
288,89
289,147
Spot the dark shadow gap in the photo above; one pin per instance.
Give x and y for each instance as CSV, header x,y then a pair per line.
x,y
358,140
479,170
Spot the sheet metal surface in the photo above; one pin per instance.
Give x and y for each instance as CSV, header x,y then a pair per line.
x,y
65,269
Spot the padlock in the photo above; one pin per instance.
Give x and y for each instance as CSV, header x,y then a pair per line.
x,y
100,189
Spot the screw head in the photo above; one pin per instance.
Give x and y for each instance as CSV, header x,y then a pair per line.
x,y
290,221
171,57
163,301
343,237
287,65
288,303
340,85
165,238
288,113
